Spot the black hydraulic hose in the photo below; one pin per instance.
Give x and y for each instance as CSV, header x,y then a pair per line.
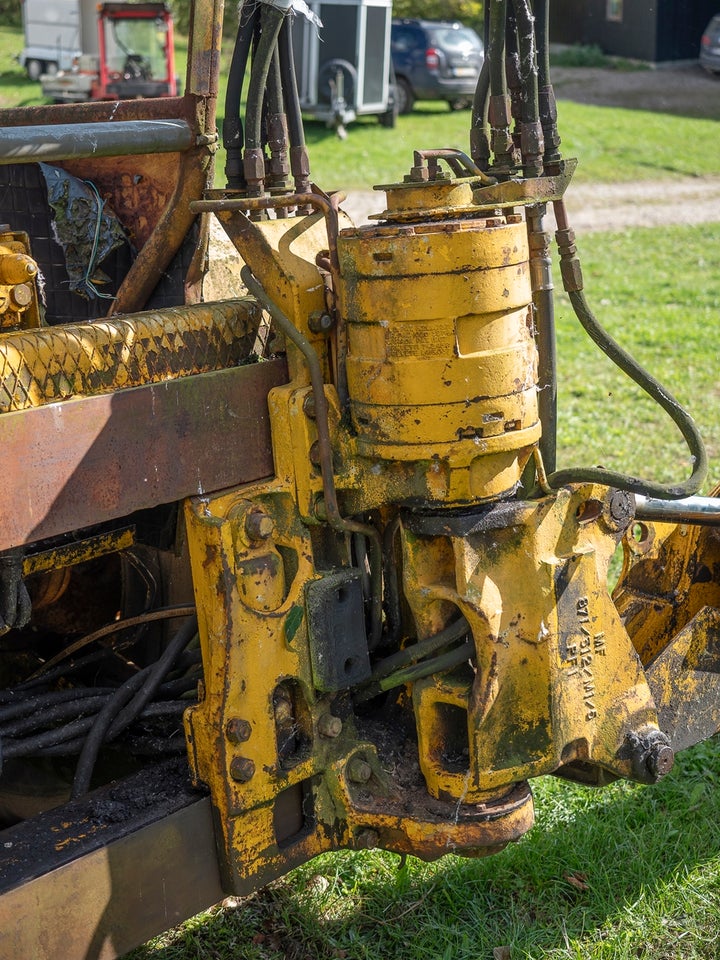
x,y
572,279
532,146
541,10
496,47
478,120
296,129
271,21
61,711
233,139
499,117
299,160
36,703
528,59
67,741
546,94
276,130
126,704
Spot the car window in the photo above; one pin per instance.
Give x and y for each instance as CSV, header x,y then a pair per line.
x,y
456,38
405,39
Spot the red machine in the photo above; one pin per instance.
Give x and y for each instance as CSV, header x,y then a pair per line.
x,y
135,58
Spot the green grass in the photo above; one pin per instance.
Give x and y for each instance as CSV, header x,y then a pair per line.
x,y
613,144
15,88
624,873
616,874
657,293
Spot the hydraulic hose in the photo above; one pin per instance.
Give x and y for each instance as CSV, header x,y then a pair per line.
x,y
572,281
126,704
233,139
499,103
479,128
271,21
546,94
299,161
531,135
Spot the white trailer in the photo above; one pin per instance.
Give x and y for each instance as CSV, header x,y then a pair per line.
x,y
56,32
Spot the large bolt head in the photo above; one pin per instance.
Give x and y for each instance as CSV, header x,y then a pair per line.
x,y
237,730
358,770
242,769
329,726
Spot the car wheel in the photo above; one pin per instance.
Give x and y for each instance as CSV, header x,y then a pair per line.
x,y
34,69
404,96
460,103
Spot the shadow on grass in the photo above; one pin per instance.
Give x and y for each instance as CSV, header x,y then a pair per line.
x,y
597,862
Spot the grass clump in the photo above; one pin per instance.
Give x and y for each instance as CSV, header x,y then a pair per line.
x,y
579,55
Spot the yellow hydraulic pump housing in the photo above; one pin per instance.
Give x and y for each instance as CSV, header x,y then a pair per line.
x,y
390,560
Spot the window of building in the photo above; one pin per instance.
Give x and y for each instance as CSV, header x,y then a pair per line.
x,y
614,9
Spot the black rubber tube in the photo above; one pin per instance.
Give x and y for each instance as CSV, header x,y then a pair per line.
x,y
271,22
126,704
680,417
233,138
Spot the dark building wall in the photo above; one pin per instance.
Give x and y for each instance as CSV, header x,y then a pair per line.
x,y
654,31
680,27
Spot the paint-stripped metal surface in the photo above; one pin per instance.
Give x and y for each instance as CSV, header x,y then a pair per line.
x,y
75,464
101,876
60,363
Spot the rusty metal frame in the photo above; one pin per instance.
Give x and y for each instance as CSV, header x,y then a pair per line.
x,y
93,459
97,877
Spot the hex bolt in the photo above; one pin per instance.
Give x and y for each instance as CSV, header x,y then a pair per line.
x,y
358,770
330,726
237,730
258,525
242,769
367,839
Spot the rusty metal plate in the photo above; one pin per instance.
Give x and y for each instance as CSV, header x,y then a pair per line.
x,y
101,876
85,461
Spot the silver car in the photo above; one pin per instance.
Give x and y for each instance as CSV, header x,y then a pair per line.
x,y
710,46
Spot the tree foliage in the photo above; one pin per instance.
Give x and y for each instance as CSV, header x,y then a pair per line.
x,y
469,11
10,15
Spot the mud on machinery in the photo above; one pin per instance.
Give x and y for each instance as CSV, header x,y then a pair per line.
x,y
345,585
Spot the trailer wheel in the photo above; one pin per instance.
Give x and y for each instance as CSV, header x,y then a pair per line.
x,y
34,69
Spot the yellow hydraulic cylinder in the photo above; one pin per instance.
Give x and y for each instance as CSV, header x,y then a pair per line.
x,y
442,364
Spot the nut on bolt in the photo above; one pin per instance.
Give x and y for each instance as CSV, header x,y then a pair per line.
x,y
237,730
358,770
329,726
242,769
